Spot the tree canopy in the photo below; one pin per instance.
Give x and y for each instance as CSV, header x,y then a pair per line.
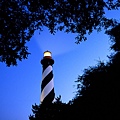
x,y
19,20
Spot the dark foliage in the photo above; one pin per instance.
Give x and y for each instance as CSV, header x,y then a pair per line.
x,y
53,111
20,18
15,30
98,88
115,37
100,93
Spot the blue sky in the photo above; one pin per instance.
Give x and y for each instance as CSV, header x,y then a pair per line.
x,y
20,86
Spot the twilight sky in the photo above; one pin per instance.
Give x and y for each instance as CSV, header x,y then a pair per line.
x,y
20,85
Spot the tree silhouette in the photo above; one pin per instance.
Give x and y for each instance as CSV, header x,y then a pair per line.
x,y
98,88
100,96
114,34
19,20
53,111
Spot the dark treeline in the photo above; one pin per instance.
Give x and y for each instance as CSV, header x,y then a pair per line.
x,y
21,18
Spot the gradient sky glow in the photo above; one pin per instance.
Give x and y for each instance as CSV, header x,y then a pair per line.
x,y
20,86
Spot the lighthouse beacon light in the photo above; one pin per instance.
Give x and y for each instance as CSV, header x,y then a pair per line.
x,y
47,54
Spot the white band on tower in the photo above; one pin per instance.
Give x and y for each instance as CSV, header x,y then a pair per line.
x,y
46,71
47,90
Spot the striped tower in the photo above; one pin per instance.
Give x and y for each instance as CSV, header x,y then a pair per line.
x,y
47,86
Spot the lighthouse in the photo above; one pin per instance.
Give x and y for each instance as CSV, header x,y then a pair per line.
x,y
47,84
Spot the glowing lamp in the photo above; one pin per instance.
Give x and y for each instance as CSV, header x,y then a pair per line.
x,y
47,54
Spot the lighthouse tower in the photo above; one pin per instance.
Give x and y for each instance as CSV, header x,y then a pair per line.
x,y
47,85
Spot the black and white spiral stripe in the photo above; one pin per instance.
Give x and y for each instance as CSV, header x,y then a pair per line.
x,y
47,86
